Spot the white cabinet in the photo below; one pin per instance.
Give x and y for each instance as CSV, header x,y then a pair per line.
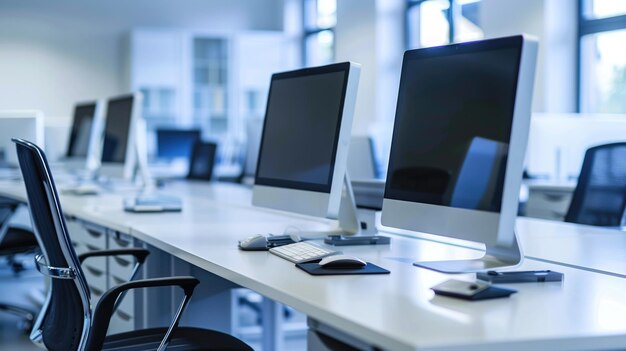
x,y
212,81
157,71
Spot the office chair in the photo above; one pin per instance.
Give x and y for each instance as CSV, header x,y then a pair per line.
x,y
600,194
202,160
13,241
67,322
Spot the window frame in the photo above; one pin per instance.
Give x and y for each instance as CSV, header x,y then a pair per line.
x,y
309,32
590,26
450,13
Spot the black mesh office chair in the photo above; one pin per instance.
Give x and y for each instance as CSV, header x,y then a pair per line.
x,y
67,322
202,160
600,195
13,241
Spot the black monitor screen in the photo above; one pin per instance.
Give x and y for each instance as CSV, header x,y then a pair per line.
x,y
301,128
81,130
176,143
119,112
453,124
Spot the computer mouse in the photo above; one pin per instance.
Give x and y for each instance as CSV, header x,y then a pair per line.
x,y
255,242
342,261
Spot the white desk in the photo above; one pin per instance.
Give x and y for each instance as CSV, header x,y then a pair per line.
x,y
581,246
396,311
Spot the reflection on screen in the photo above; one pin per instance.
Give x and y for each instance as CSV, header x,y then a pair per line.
x,y
119,112
81,130
452,128
301,130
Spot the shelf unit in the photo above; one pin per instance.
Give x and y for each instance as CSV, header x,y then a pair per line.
x,y
209,80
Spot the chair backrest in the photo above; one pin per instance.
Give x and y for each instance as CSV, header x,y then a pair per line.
x,y
64,321
202,161
600,195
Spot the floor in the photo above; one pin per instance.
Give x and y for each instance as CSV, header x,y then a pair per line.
x,y
17,290
22,290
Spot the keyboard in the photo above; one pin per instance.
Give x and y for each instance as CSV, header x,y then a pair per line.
x,y
302,252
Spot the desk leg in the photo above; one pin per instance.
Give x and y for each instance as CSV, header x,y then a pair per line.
x,y
156,313
211,305
272,319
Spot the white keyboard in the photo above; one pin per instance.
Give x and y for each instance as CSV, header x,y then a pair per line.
x,y
302,252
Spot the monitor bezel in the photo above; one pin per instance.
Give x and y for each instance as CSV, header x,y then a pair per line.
x,y
71,138
125,169
325,188
490,228
306,198
92,160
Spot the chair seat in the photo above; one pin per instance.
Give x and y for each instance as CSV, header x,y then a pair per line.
x,y
18,240
184,338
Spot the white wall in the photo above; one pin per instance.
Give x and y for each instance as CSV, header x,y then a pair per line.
x,y
561,43
355,40
54,53
554,23
510,17
371,32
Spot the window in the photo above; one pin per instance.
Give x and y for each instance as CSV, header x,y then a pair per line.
x,y
602,34
441,22
320,17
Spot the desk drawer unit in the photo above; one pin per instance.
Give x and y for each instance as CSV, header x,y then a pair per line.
x,y
96,275
121,322
87,237
75,228
548,204
94,236
120,270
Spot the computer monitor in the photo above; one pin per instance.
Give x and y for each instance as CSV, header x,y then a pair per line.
x,y
254,130
23,124
175,143
119,154
83,148
459,139
306,134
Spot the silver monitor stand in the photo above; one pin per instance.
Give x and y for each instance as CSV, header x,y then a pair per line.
x,y
496,257
351,231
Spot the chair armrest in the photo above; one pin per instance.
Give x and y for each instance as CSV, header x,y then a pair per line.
x,y
139,254
106,305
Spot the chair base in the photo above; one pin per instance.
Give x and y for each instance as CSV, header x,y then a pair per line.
x,y
28,316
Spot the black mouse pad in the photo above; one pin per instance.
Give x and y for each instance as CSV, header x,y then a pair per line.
x,y
314,268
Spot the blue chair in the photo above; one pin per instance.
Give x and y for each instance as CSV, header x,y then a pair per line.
x,y
67,321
